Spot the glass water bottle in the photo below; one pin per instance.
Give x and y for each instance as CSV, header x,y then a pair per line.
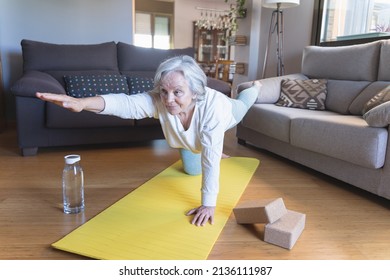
x,y
73,185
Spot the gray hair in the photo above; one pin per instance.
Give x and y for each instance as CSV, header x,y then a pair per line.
x,y
191,71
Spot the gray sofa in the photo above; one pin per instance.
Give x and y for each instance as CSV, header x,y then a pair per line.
x,y
42,124
342,141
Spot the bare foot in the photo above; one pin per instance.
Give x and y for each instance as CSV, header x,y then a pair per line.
x,y
225,156
257,85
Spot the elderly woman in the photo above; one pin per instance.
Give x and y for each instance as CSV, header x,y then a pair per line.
x,y
193,117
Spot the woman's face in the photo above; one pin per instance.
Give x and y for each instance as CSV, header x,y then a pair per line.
x,y
176,94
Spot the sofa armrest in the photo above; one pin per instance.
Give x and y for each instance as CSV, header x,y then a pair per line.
x,y
34,81
378,116
270,91
219,85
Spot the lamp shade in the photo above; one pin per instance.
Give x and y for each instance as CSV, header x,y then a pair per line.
x,y
283,3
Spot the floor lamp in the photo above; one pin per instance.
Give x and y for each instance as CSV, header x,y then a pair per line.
x,y
276,25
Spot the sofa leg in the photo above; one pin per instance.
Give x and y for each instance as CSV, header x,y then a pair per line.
x,y
26,152
241,141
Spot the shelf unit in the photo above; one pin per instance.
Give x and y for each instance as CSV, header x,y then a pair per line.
x,y
211,45
238,41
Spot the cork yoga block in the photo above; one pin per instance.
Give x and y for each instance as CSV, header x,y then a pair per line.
x,y
285,231
262,211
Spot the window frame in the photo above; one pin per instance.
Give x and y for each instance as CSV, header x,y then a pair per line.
x,y
317,27
152,19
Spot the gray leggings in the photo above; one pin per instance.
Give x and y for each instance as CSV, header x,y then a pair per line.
x,y
240,106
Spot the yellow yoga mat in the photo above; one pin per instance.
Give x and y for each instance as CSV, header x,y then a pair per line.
x,y
150,223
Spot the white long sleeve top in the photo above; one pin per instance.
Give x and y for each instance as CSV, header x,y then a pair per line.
x,y
205,135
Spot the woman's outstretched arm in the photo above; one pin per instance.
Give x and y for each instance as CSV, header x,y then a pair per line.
x,y
94,104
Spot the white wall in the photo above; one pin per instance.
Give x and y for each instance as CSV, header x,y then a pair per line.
x,y
185,15
297,34
58,21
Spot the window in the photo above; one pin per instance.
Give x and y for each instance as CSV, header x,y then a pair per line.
x,y
152,31
345,20
161,32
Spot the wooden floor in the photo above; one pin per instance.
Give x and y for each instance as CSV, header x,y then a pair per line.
x,y
342,222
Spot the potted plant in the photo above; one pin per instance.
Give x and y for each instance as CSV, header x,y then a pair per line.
x,y
236,11
239,10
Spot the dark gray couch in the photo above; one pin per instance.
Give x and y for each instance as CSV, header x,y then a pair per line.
x,y
42,124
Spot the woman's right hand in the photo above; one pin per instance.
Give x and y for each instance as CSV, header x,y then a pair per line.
x,y
65,101
93,104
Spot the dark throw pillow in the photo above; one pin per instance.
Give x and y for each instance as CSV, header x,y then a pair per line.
x,y
91,85
381,97
140,84
304,94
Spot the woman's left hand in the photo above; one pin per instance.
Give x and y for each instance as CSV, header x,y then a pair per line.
x,y
203,214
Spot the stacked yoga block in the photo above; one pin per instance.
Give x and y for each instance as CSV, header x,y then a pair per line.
x,y
282,226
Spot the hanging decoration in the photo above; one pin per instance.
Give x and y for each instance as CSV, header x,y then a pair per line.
x,y
214,19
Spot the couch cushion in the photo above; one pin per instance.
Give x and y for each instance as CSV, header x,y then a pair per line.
x,y
379,98
356,62
303,94
46,56
357,105
271,87
139,84
79,86
59,74
219,85
384,63
347,138
342,93
274,121
213,83
379,116
145,61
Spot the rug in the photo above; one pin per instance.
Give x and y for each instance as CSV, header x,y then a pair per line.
x,y
150,222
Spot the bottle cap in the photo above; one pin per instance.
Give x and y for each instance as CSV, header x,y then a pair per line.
x,y
71,159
